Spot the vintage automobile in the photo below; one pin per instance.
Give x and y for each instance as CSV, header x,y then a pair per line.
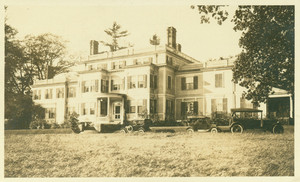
x,y
247,118
139,126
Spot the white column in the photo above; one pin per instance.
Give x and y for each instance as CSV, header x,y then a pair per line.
x,y
108,109
291,106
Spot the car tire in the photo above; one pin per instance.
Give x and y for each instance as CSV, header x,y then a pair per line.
x,y
190,130
123,131
277,129
237,128
214,130
129,128
141,130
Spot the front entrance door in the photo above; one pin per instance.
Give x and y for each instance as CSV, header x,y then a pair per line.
x,y
117,111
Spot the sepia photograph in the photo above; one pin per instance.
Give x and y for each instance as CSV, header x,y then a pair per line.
x,y
148,89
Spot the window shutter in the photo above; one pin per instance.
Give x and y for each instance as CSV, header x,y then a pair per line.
x,y
155,81
144,104
128,82
183,108
183,85
102,85
195,82
123,83
112,85
195,108
107,85
96,85
213,105
225,105
223,80
82,86
145,81
112,65
151,81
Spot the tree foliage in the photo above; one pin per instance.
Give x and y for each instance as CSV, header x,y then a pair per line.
x,y
45,54
267,58
115,33
155,40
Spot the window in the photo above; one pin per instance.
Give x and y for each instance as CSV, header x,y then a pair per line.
x,y
169,107
131,106
72,92
50,113
90,67
189,83
169,82
92,108
70,110
122,64
142,106
102,66
85,87
37,95
104,85
219,80
219,105
103,107
84,109
189,108
116,84
60,93
48,94
142,81
153,106
131,80
153,81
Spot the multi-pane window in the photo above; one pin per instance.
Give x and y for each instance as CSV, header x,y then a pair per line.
x,y
103,107
37,95
71,110
72,92
90,86
219,80
85,87
169,82
122,64
189,83
189,108
131,80
142,105
102,66
117,84
169,106
92,108
131,106
142,81
219,105
84,109
48,93
60,92
153,81
153,106
50,113
104,85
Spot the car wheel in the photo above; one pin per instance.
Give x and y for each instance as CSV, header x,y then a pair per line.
x,y
278,129
141,130
129,128
237,128
214,130
123,131
190,130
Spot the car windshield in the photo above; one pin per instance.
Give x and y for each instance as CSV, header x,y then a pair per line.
x,y
243,115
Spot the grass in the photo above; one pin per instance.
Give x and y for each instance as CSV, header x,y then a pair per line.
x,y
149,155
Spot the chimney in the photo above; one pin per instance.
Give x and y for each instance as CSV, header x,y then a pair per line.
x,y
178,47
94,47
171,37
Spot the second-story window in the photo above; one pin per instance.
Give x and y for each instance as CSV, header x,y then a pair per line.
x,y
142,81
48,94
219,80
169,82
189,83
37,95
72,92
60,92
116,84
104,85
153,81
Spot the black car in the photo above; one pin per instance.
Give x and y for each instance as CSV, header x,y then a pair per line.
x,y
248,118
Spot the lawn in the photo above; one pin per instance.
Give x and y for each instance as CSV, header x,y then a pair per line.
x,y
149,155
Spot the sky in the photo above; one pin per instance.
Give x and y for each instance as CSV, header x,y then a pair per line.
x,y
80,24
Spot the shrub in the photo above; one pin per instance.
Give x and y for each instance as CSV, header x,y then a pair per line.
x,y
74,122
65,124
54,126
39,124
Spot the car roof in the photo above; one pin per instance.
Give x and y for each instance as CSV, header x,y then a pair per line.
x,y
245,110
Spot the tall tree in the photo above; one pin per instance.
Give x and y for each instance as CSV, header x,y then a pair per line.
x,y
45,53
115,33
267,58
